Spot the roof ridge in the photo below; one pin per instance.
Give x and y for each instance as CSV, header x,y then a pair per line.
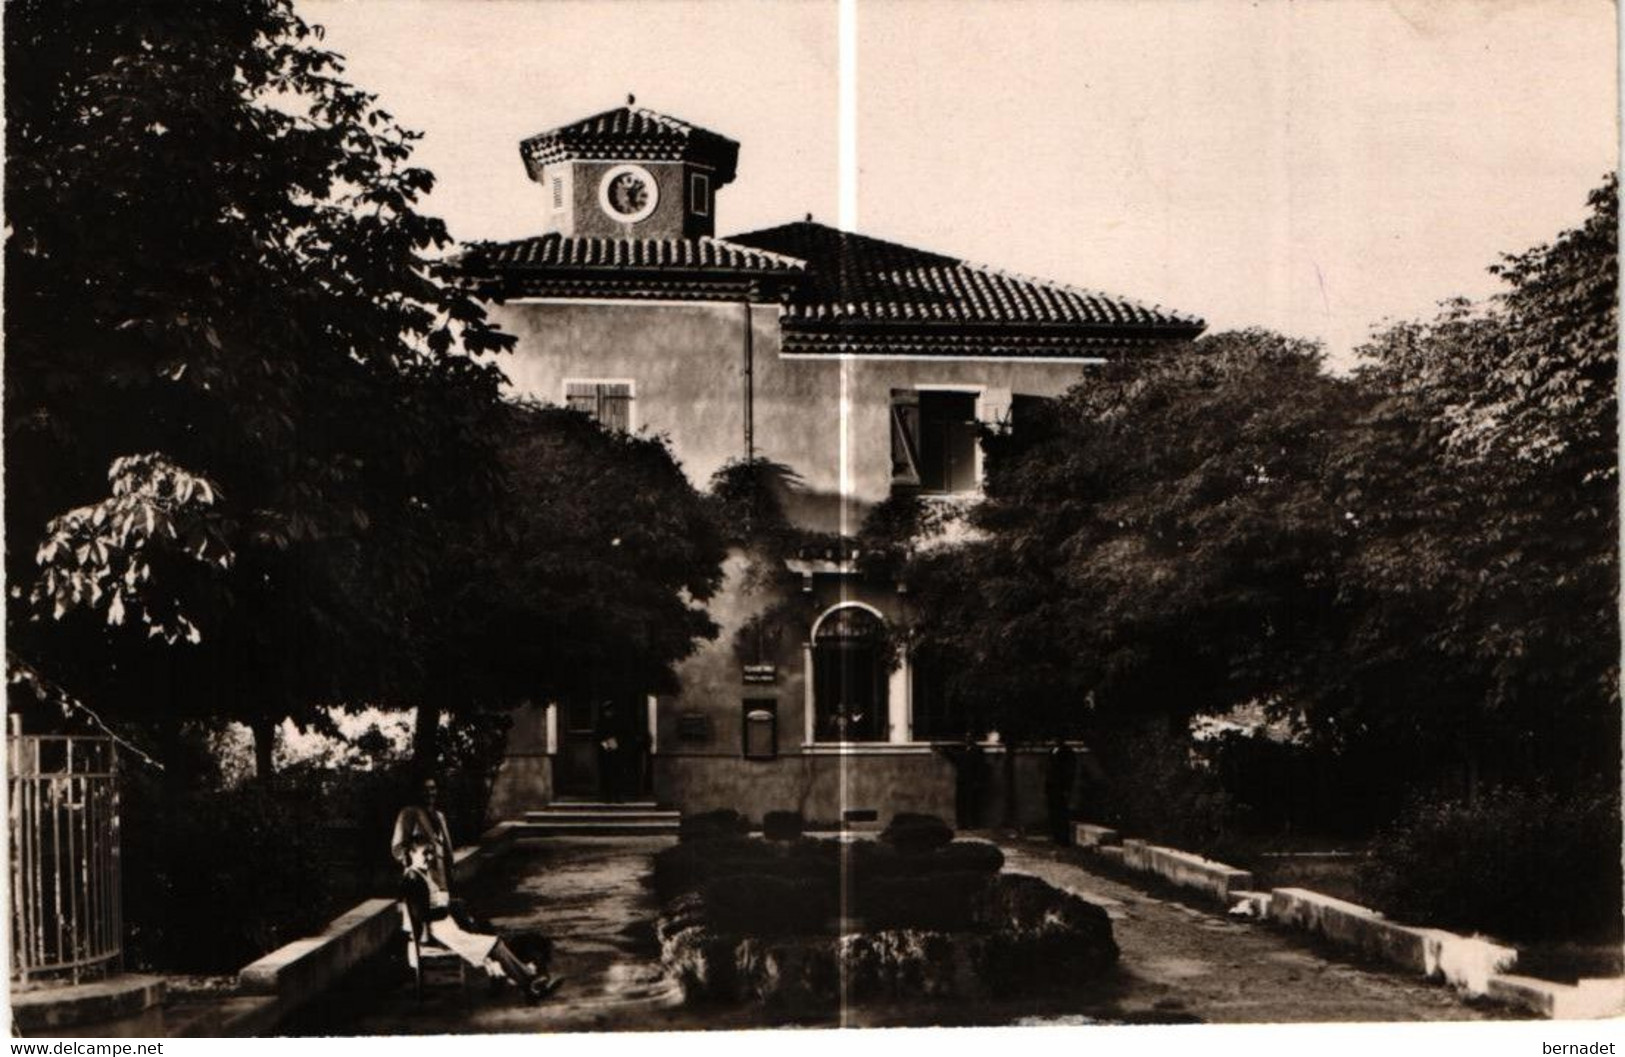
x,y
1084,291
783,258
1155,309
676,123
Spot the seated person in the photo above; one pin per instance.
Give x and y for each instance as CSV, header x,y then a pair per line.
x,y
428,907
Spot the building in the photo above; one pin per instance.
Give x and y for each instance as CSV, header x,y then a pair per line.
x,y
865,366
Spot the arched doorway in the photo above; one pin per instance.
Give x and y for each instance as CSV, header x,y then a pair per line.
x,y
850,672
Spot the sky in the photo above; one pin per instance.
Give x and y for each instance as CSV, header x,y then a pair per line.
x,y
1312,167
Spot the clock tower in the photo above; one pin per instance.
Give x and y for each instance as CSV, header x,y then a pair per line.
x,y
630,173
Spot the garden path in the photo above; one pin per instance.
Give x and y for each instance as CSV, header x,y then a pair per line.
x,y
1179,964
1179,961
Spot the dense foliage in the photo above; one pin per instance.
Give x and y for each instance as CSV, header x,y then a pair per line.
x,y
589,579
1483,495
1518,863
236,391
257,459
1412,569
1157,541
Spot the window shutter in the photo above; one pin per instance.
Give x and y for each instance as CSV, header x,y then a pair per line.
x,y
615,407
608,402
581,396
905,438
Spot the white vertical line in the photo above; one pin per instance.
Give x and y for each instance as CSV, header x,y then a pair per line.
x,y
847,220
847,217
847,116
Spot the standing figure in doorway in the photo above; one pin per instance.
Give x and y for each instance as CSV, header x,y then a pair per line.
x,y
1059,776
612,752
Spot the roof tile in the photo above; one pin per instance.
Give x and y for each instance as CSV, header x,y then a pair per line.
x,y
554,250
891,282
632,133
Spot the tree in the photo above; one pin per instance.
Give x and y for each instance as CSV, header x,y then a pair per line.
x,y
1157,543
587,579
1483,492
221,296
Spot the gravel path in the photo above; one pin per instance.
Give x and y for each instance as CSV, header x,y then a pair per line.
x,y
1178,965
1203,965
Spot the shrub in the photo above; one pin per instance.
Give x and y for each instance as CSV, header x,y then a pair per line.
x,y
863,860
214,879
944,902
783,825
1156,792
712,825
766,904
685,867
913,834
1518,864
962,856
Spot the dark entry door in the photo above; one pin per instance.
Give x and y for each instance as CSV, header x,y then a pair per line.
x,y
575,770
584,725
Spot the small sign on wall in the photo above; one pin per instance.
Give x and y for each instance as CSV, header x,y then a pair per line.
x,y
693,727
761,673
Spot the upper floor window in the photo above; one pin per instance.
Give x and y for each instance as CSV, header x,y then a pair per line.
x,y
934,440
608,401
699,193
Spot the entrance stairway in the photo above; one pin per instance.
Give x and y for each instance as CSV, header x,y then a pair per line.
x,y
584,818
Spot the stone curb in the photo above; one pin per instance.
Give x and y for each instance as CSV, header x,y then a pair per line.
x,y
1465,962
278,984
1086,835
1472,965
100,1002
1180,868
1586,1000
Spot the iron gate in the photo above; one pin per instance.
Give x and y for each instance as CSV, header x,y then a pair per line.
x,y
66,921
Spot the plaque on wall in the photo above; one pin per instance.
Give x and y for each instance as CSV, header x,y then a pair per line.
x,y
761,673
693,726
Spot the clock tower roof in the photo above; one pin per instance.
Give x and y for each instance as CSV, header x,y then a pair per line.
x,y
632,134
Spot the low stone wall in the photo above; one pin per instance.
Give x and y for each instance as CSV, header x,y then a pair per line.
x,y
1472,965
1466,963
285,980
298,970
49,1010
1183,869
1586,1000
1086,835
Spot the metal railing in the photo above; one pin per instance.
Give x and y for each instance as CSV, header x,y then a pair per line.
x,y
66,921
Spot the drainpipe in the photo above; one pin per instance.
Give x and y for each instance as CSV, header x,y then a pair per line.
x,y
750,385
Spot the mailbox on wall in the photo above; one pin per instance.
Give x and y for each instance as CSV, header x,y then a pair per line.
x,y
761,728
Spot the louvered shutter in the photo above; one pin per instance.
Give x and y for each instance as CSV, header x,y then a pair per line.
x,y
905,438
582,396
615,406
608,402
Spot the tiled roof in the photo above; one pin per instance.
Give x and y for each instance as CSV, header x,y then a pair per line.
x,y
854,281
632,133
556,252
841,293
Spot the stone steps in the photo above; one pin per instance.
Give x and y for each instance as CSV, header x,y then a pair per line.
x,y
592,819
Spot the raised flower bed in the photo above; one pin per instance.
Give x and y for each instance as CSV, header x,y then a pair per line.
x,y
812,924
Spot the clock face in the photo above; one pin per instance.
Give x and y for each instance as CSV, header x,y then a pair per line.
x,y
628,193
